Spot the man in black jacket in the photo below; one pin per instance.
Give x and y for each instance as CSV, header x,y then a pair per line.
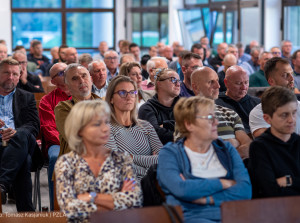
x,y
19,124
275,154
28,81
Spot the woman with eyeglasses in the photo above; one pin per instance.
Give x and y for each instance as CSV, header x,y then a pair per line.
x,y
200,171
137,137
159,109
92,177
134,71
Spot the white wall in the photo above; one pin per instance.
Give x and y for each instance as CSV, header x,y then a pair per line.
x,y
5,23
272,32
174,26
120,21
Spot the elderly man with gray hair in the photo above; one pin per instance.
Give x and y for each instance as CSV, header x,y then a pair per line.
x,y
98,73
153,65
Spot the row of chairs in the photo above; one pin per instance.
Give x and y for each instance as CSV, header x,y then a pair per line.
x,y
268,210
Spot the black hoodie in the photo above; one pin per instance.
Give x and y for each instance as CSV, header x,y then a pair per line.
x,y
159,115
272,158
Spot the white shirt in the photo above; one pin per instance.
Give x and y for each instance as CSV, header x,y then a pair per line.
x,y
205,165
256,119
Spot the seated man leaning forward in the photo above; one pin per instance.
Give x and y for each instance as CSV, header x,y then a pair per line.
x,y
79,84
205,82
19,125
200,171
275,154
92,177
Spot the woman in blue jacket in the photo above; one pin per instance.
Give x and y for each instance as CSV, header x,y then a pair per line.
x,y
200,171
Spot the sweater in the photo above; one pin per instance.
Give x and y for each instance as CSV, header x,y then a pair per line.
x,y
160,116
173,161
272,158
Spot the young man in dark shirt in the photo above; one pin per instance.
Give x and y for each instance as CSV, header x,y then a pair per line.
x,y
275,155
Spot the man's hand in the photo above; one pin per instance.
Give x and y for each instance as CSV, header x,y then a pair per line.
x,y
23,77
7,134
243,150
233,142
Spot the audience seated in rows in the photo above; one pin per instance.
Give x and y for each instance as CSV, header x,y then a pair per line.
x,y
200,171
205,83
92,177
134,136
278,72
19,123
159,109
49,131
236,97
275,154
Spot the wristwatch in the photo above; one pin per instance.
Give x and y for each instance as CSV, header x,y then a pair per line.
x,y
288,180
93,196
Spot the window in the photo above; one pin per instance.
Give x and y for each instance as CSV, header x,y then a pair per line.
x,y
219,20
147,22
81,24
291,20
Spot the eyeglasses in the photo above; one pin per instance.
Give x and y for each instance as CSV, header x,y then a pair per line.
x,y
59,74
210,118
174,80
111,58
123,93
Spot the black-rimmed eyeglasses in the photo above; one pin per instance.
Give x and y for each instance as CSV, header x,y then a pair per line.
x,y
174,80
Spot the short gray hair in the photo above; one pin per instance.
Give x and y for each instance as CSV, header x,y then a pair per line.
x,y
151,62
70,67
91,65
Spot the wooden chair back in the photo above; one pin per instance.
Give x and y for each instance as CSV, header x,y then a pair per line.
x,y
157,214
267,210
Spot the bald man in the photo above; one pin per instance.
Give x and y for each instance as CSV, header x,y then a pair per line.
x,y
229,60
71,55
236,97
47,118
205,82
216,62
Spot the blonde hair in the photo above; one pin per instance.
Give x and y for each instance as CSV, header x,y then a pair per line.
x,y
110,93
160,73
186,110
81,114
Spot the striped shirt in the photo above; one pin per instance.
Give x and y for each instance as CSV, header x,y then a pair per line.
x,y
140,141
229,122
6,110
